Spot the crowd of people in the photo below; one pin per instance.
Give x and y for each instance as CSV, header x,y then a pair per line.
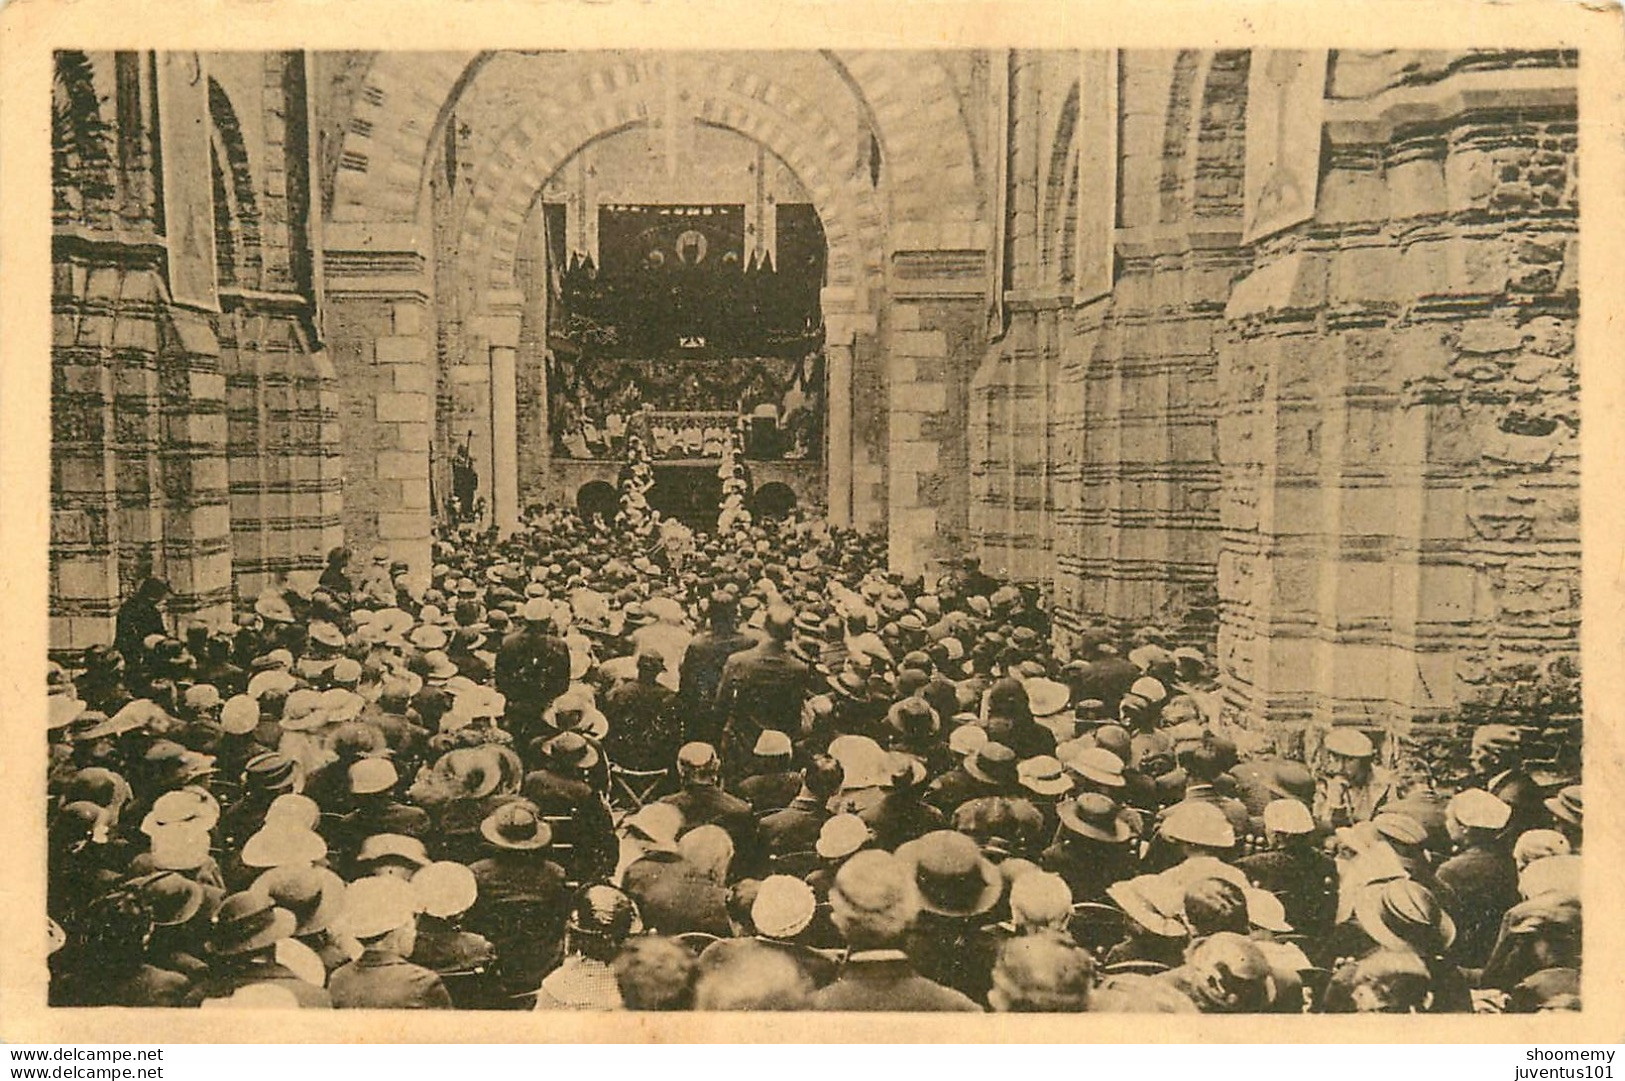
x,y
556,771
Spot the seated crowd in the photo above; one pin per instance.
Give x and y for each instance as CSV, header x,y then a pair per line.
x,y
556,772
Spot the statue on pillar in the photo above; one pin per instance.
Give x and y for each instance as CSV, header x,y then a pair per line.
x,y
465,484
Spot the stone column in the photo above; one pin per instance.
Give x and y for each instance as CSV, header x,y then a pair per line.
x,y
839,337
502,348
381,344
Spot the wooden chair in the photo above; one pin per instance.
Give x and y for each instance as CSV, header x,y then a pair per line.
x,y
633,789
1135,968
1097,928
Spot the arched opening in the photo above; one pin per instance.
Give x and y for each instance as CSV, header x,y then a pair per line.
x,y
773,500
597,498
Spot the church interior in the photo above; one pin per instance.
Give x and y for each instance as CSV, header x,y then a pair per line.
x,y
1276,351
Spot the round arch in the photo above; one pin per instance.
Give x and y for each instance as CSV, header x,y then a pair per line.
x,y
535,148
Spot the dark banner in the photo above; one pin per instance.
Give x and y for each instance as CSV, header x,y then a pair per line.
x,y
697,239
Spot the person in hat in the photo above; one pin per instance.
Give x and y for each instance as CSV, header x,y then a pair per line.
x,y
107,962
874,902
795,829
783,914
750,974
1197,830
315,896
685,891
373,807
1495,759
902,814
1351,787
1008,717
562,788
532,669
243,948
958,887
1567,810
703,801
601,920
1481,881
772,784
1045,783
702,663
520,894
382,914
763,686
645,729
991,771
1294,867
1093,849
1399,914
1408,839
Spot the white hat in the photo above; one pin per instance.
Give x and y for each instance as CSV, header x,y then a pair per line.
x,y
1047,697
445,889
841,836
377,905
1287,816
1265,910
282,842
784,906
967,739
293,809
1475,808
772,744
240,715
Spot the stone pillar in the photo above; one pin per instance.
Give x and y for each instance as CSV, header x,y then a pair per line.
x,y
381,345
502,334
838,341
934,333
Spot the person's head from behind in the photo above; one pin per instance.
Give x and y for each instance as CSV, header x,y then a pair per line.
x,y
1391,981
381,912
822,778
655,973
709,850
873,901
600,921
751,976
1040,901
1229,975
1041,974
698,764
780,623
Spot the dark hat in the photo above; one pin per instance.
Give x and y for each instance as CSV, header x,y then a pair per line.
x,y
247,922
603,912
1095,816
170,898
570,750
517,826
1405,915
951,874
914,718
994,763
271,772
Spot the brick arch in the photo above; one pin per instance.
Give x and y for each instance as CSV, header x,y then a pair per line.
x,y
605,100
1059,177
1178,137
240,262
931,167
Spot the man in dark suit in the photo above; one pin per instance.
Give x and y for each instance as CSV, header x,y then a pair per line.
x,y
644,731
1481,880
1496,759
772,784
795,829
762,687
533,668
381,913
874,903
702,666
703,802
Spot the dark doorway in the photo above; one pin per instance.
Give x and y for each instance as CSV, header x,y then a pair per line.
x,y
598,497
690,493
773,500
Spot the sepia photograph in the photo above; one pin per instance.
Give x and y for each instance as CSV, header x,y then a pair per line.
x,y
837,530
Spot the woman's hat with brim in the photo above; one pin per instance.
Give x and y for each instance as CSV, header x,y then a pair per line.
x,y
1099,765
1094,816
994,763
248,922
314,895
1044,775
1405,915
951,874
140,713
170,897
1047,697
63,710
393,848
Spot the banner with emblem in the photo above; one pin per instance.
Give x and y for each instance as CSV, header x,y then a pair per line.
x,y
1097,174
1286,93
183,133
